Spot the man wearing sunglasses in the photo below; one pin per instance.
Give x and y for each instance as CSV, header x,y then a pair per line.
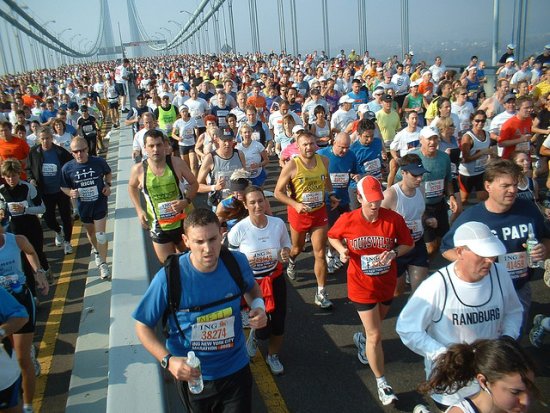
x,y
88,180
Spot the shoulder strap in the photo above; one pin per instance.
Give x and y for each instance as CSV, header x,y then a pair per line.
x,y
445,296
176,177
174,290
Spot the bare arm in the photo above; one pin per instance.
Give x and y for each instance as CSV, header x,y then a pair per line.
x,y
39,275
134,184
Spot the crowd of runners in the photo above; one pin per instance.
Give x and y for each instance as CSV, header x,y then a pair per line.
x,y
382,165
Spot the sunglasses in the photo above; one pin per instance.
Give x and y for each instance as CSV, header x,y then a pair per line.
x,y
75,151
479,120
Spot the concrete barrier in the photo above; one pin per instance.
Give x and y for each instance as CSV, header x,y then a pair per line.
x,y
135,382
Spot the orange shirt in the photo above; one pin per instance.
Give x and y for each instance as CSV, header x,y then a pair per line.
x,y
513,128
16,148
260,104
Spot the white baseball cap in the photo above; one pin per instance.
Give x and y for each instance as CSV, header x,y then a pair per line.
x,y
479,239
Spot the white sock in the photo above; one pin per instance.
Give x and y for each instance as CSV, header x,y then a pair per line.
x,y
546,324
320,289
381,381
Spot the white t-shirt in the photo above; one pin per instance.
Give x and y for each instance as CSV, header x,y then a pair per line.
x,y
463,112
405,141
260,245
276,121
63,140
252,154
197,108
186,130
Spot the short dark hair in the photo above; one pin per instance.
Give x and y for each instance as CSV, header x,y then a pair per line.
x,y
410,158
200,217
365,125
153,133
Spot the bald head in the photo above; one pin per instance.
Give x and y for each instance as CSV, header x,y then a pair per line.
x,y
341,145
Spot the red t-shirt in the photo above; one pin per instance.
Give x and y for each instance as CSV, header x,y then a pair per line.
x,y
369,282
513,128
16,148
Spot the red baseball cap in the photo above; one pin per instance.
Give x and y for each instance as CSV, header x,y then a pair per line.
x,y
370,189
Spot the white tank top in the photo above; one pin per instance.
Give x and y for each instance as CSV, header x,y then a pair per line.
x,y
476,167
411,209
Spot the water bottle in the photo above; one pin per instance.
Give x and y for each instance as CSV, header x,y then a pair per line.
x,y
531,243
15,285
195,385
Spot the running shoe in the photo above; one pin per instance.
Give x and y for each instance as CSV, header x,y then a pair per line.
x,y
67,247
244,319
360,342
547,273
104,271
386,394
97,258
421,408
36,364
275,364
330,264
291,269
537,333
28,409
59,238
322,300
251,344
337,263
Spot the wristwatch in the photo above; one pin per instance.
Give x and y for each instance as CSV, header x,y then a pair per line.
x,y
165,361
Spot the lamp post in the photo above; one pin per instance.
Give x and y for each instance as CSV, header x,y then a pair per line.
x,y
196,36
177,28
71,43
169,33
43,47
63,56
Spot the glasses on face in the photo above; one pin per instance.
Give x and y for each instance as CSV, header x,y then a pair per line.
x,y
464,94
479,120
75,151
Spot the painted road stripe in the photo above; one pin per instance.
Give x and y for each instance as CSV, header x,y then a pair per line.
x,y
53,324
267,387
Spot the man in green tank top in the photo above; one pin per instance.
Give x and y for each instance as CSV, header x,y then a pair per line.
x,y
168,186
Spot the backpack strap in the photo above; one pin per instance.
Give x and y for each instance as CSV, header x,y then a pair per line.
x,y
173,284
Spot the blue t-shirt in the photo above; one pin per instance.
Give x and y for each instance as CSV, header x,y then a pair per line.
x,y
47,114
511,228
87,178
340,168
10,307
359,98
51,172
369,158
216,334
11,270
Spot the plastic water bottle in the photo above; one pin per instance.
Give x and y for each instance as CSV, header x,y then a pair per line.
x,y
16,286
195,385
531,243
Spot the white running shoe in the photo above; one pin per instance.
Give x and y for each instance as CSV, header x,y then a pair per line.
x,y
67,247
421,408
322,300
291,269
36,364
104,271
275,364
386,394
59,238
97,258
330,264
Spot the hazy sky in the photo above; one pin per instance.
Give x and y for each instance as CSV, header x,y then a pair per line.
x,y
432,23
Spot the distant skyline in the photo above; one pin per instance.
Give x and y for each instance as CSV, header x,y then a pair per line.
x,y
432,29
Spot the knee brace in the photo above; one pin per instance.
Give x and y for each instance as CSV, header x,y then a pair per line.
x,y
101,238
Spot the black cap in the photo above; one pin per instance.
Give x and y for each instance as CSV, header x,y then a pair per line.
x,y
226,134
387,98
72,105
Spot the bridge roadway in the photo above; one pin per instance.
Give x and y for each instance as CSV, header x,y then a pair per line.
x,y
92,362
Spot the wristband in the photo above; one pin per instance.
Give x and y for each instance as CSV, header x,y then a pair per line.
x,y
257,303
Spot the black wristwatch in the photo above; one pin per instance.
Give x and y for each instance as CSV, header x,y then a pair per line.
x,y
165,361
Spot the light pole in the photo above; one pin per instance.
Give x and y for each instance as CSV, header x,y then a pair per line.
x,y
43,47
178,26
196,35
162,36
71,43
63,56
169,33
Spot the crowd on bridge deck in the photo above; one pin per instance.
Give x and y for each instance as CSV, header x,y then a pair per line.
x,y
377,161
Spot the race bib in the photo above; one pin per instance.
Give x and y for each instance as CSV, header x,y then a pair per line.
x,y
213,335
434,189
416,228
516,263
88,194
6,281
339,180
373,167
313,199
523,147
263,260
255,136
49,169
167,214
371,266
